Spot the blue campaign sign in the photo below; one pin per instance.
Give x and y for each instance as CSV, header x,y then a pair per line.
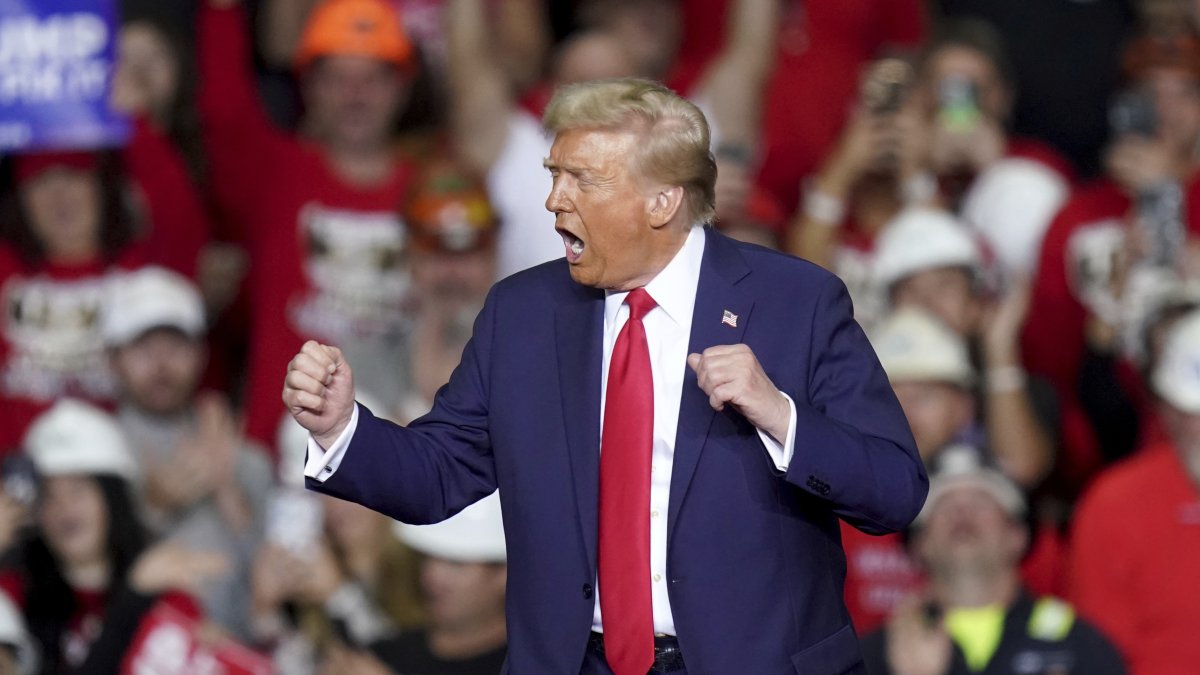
x,y
56,68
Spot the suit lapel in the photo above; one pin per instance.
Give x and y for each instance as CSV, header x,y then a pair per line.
x,y
716,294
579,330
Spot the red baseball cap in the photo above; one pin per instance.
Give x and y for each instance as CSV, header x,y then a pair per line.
x,y
30,166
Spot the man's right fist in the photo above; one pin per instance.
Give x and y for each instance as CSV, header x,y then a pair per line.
x,y
319,391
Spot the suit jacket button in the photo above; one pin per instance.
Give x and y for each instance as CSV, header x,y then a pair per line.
x,y
587,591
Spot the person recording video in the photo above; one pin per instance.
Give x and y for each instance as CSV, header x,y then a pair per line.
x,y
1114,242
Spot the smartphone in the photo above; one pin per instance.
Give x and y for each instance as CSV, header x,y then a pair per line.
x,y
958,103
885,85
19,479
1132,112
294,520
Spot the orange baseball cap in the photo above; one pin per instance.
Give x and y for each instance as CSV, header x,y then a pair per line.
x,y
448,210
1178,51
370,28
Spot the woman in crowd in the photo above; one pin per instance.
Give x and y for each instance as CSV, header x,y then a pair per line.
x,y
84,574
68,225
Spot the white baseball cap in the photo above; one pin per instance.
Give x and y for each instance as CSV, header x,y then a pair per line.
x,y
913,345
74,437
961,467
151,297
476,534
921,238
1011,205
14,633
1177,376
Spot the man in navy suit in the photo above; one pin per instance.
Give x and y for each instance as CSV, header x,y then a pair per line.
x,y
675,422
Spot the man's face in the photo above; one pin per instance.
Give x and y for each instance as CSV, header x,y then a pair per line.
x,y
353,101
1176,96
937,413
945,292
462,594
595,55
602,210
957,63
969,530
461,279
160,370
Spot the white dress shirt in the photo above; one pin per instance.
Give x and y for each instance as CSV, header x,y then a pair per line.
x,y
668,331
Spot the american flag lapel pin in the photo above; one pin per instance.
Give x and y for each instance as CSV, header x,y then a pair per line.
x,y
729,319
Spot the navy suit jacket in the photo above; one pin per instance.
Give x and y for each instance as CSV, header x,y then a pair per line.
x,y
754,559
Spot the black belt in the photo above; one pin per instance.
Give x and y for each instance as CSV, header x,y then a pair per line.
x,y
667,657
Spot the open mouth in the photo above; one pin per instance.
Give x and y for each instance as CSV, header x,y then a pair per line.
x,y
573,245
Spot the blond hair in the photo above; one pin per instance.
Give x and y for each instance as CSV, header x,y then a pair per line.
x,y
674,147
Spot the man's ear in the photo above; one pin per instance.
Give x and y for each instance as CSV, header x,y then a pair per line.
x,y
663,204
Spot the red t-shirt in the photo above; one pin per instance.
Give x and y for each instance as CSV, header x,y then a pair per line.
x,y
326,257
879,573
1053,340
1135,552
50,341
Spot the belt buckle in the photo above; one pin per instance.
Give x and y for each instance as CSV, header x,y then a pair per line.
x,y
667,658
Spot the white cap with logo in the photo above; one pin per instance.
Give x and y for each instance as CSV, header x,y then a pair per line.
x,y
1177,376
922,238
961,467
913,345
74,437
148,298
476,534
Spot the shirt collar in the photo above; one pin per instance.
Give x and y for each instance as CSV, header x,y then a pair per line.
x,y
674,288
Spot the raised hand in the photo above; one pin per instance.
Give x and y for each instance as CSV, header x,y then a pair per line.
x,y
917,642
319,391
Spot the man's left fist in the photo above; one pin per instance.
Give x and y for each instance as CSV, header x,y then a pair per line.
x,y
731,375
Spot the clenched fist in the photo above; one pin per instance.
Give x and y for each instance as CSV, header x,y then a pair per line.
x,y
732,375
319,391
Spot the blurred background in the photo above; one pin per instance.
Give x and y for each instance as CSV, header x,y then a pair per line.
x,y
191,188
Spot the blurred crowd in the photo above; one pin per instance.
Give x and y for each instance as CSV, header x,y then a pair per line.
x,y
1008,189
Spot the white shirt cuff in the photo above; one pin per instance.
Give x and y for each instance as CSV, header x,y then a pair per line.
x,y
322,463
781,455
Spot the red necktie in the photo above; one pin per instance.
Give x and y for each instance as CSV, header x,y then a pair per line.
x,y
625,446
